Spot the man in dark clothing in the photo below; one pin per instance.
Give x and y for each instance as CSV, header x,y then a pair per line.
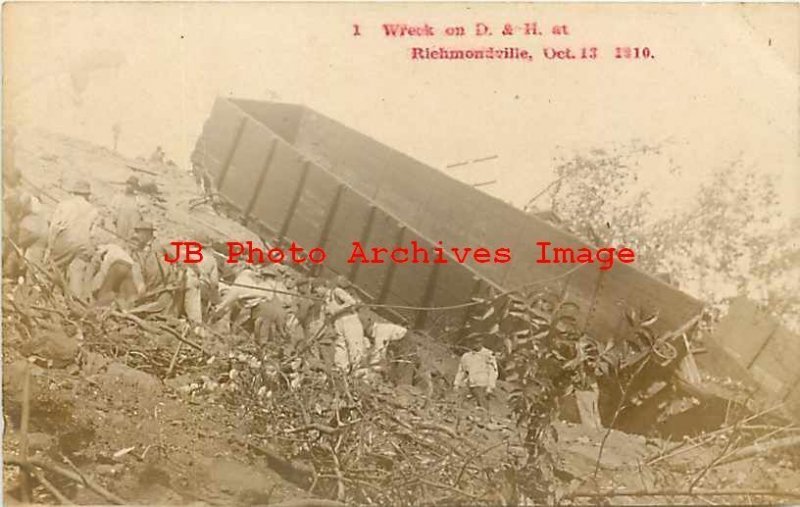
x,y
403,359
127,212
306,309
269,321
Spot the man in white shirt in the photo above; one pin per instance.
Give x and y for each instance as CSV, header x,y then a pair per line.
x,y
115,278
478,371
350,346
70,239
201,286
382,334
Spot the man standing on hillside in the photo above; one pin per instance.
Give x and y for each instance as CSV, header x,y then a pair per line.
x,y
70,242
127,213
478,371
116,130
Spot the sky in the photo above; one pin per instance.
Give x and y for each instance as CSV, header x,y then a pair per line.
x,y
723,85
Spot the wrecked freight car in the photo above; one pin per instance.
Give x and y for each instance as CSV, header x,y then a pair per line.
x,y
297,176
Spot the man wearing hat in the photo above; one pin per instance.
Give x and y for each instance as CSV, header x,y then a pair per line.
x,y
70,242
147,256
150,271
126,208
478,371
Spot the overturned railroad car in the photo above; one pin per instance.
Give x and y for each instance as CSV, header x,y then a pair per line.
x,y
293,174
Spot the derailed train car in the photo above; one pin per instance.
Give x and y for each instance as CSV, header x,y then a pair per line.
x,y
295,175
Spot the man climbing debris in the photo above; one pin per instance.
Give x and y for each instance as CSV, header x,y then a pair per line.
x,y
311,317
32,236
403,359
350,345
478,371
114,278
70,242
158,282
270,321
382,335
24,225
201,287
201,177
306,307
240,300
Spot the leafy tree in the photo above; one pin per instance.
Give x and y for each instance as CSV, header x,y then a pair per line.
x,y
729,239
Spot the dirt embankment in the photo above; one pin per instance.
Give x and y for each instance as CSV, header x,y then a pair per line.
x,y
121,407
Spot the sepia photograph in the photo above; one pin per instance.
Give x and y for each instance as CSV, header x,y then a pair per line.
x,y
349,253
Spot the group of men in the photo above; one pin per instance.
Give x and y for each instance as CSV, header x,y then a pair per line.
x,y
362,340
365,344
130,268
124,267
345,335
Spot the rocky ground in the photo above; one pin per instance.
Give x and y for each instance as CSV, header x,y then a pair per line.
x,y
133,408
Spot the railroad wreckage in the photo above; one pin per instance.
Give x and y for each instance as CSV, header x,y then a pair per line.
x,y
144,408
293,174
